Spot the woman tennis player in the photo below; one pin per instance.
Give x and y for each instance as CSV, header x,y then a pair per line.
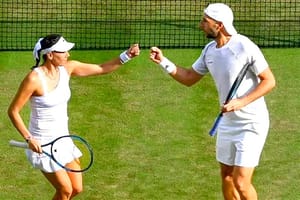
x,y
46,86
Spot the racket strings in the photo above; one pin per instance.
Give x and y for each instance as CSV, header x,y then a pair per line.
x,y
67,149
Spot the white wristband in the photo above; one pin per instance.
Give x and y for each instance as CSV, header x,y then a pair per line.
x,y
124,58
167,65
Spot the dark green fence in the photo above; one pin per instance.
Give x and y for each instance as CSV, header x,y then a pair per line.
x,y
114,24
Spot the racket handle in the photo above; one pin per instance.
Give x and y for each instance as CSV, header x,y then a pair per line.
x,y
18,144
213,130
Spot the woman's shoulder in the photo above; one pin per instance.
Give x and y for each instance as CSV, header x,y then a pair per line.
x,y
32,76
31,82
71,65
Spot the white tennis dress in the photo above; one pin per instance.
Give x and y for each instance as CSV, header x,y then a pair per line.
x,y
242,133
49,120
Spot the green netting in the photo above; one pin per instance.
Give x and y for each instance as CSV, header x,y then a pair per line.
x,y
114,24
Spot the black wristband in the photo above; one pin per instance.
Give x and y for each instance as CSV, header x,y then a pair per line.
x,y
27,139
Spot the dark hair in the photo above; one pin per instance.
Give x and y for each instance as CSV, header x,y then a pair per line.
x,y
46,43
50,40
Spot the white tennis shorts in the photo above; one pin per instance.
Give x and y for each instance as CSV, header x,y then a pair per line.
x,y
241,144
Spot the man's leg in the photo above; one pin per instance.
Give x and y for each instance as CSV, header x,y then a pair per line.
x,y
228,188
242,178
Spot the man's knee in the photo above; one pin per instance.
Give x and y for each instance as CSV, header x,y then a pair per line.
x,y
241,184
227,179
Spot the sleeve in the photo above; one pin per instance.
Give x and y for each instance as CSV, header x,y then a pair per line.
x,y
260,63
199,65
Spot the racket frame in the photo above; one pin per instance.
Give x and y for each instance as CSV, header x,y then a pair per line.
x,y
26,146
237,82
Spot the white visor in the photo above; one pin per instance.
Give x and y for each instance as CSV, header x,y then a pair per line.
x,y
61,46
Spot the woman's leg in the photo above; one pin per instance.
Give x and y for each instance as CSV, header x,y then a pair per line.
x,y
67,184
75,177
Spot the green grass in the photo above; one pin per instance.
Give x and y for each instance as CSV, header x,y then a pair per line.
x,y
150,134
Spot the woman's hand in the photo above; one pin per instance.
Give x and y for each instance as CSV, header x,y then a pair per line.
x,y
133,51
35,145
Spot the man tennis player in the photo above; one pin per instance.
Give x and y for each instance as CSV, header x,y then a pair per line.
x,y
244,127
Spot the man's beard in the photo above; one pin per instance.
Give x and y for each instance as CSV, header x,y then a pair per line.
x,y
209,36
212,35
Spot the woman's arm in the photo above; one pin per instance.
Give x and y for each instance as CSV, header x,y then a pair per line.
x,y
77,68
28,87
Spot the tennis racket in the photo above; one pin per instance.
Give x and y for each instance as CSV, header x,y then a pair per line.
x,y
230,95
64,145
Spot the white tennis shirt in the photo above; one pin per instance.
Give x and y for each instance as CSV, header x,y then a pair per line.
x,y
225,63
49,117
